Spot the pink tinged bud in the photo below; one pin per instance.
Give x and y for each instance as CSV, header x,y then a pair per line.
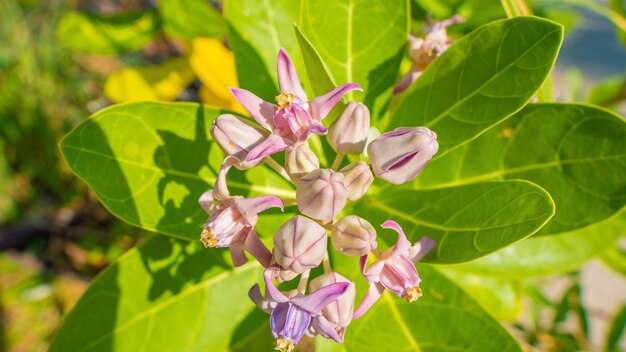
x,y
300,160
300,244
398,156
321,194
338,315
353,236
358,178
347,135
237,137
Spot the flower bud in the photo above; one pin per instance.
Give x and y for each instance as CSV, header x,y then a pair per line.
x,y
300,160
321,194
300,244
357,177
398,156
339,315
236,137
354,236
347,135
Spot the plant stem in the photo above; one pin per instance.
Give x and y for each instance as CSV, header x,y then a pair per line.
x,y
304,280
337,162
326,262
276,167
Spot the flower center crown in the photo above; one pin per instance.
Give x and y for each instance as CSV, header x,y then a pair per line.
x,y
284,100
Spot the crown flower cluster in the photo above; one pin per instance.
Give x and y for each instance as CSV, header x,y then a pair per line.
x,y
324,305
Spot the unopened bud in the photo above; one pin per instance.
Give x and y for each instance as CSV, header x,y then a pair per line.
x,y
347,135
358,178
398,156
339,314
354,236
236,137
300,244
300,160
321,194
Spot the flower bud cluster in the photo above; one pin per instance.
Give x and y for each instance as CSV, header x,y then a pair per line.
x,y
322,193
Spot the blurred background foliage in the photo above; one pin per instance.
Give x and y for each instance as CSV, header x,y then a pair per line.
x,y
64,60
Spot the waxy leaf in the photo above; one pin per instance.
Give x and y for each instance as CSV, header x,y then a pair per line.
x,y
148,163
256,31
360,41
107,35
467,222
481,80
166,294
190,19
444,319
548,255
575,152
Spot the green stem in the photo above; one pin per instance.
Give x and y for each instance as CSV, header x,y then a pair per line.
x,y
276,167
337,162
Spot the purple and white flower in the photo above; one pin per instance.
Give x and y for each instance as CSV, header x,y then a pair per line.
x,y
294,117
232,219
394,269
292,312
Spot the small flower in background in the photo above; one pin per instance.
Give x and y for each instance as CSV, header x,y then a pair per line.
x,y
291,312
425,50
232,219
398,156
394,269
358,178
294,118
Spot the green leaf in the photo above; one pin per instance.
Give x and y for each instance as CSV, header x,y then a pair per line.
x,y
444,319
575,152
616,331
257,29
166,294
360,41
481,80
615,257
467,222
502,298
189,19
609,92
547,255
315,66
148,163
107,35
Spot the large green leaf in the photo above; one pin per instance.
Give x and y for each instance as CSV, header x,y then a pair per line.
x,y
444,319
149,162
468,221
169,295
360,41
257,30
107,35
189,19
576,152
546,255
481,80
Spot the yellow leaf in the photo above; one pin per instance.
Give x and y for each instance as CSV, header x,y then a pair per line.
x,y
214,65
154,83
